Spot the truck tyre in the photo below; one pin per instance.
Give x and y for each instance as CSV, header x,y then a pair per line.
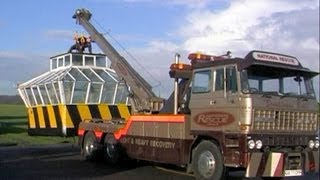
x,y
207,161
111,149
90,147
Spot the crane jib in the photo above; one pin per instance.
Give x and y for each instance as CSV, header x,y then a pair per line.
x,y
142,90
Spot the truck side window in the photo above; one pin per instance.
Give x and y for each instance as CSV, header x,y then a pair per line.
x,y
219,85
201,81
231,79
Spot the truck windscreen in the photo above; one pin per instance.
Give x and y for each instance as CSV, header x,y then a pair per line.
x,y
276,81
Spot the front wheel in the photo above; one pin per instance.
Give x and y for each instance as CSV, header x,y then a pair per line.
x,y
207,161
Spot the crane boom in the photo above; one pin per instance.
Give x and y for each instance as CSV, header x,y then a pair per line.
x,y
141,91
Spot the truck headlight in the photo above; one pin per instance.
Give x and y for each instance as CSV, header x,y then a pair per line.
x,y
251,144
311,144
258,144
316,144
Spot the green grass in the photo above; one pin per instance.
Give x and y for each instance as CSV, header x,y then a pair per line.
x,y
14,132
8,111
14,127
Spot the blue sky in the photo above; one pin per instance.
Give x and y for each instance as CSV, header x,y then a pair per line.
x,y
154,30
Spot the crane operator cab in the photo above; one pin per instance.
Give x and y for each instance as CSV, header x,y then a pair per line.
x,y
81,43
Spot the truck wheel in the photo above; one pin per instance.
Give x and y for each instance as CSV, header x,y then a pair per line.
x,y
90,147
111,149
207,162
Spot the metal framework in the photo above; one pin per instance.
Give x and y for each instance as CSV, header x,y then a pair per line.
x,y
75,79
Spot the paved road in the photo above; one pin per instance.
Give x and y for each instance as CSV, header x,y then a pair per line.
x,y
63,162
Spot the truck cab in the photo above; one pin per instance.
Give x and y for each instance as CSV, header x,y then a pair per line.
x,y
239,87
263,103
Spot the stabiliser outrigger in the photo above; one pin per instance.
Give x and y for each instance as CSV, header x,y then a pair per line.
x,y
258,113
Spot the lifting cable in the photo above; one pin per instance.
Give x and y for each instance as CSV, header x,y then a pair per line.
x,y
129,54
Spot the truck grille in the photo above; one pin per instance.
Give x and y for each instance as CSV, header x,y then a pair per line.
x,y
284,120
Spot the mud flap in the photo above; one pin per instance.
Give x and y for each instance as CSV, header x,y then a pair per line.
x,y
312,161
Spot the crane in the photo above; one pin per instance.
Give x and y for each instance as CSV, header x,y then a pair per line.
x,y
141,95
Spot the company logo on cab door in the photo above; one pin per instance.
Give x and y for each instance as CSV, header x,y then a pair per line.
x,y
213,119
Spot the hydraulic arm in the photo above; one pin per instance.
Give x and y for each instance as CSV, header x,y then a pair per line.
x,y
142,96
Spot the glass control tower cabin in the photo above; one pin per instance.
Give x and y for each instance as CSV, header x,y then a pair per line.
x,y
78,87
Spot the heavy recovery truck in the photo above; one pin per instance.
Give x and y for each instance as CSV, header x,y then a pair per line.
x,y
258,113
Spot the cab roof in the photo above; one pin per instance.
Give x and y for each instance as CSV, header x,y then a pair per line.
x,y
263,62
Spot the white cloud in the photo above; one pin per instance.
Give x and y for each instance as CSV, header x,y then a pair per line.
x,y
20,66
16,67
189,3
160,46
283,26
219,31
310,43
186,3
4,55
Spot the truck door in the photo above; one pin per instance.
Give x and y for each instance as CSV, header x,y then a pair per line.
x,y
214,99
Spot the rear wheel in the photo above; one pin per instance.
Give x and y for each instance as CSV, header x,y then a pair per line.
x,y
207,161
90,147
111,149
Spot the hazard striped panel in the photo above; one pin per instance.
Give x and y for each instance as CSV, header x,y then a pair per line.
x,y
276,164
266,165
64,119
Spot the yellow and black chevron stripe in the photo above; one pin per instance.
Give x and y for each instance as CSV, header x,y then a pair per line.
x,y
63,120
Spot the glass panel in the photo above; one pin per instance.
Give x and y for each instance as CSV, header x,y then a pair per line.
x,y
52,94
88,61
309,87
68,77
67,60
49,77
80,91
94,93
101,61
219,83
44,95
279,81
244,81
254,85
201,81
60,62
232,79
36,95
105,76
77,75
122,94
30,96
271,85
77,60
67,86
53,63
56,86
296,86
108,93
91,75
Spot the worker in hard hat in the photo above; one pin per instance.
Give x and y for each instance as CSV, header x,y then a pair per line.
x,y
81,42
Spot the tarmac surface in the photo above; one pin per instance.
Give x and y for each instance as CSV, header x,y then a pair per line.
x,y
63,161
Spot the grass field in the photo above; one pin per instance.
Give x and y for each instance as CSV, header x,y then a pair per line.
x,y
14,126
12,111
